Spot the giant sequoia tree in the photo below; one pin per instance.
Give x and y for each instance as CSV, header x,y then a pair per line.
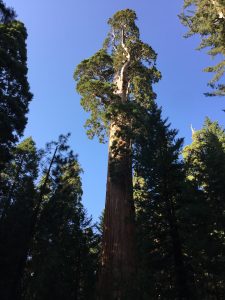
x,y
14,88
116,86
207,18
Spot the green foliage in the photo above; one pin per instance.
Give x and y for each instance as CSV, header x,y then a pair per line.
x,y
207,18
6,14
62,262
205,156
205,163
14,88
22,169
195,215
48,246
158,188
96,76
17,202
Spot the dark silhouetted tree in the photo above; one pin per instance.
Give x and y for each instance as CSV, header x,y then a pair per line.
x,y
14,88
17,204
158,186
62,262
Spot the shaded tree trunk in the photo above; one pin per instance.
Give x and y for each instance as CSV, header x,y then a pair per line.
x,y
118,253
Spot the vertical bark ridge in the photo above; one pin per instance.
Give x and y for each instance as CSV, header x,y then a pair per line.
x,y
118,254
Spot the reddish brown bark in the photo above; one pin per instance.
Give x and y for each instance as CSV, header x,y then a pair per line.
x,y
118,248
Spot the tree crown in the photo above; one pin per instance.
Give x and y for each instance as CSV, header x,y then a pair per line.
x,y
123,56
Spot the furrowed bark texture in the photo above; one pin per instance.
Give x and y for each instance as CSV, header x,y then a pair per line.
x,y
118,250
118,255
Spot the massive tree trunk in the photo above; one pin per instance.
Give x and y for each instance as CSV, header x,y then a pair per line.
x,y
118,253
118,248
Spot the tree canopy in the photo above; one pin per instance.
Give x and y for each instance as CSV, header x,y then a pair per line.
x,y
97,77
207,18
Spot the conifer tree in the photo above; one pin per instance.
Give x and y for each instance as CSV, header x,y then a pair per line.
x,y
17,204
207,18
115,85
159,180
14,88
205,161
62,260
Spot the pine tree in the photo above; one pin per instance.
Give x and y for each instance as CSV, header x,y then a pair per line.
x,y
207,18
14,88
114,84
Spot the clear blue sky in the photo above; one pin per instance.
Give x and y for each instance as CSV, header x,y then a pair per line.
x,y
62,33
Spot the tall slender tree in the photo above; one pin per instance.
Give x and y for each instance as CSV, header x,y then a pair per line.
x,y
159,180
116,84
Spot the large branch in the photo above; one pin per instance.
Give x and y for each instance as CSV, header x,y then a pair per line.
x,y
121,78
